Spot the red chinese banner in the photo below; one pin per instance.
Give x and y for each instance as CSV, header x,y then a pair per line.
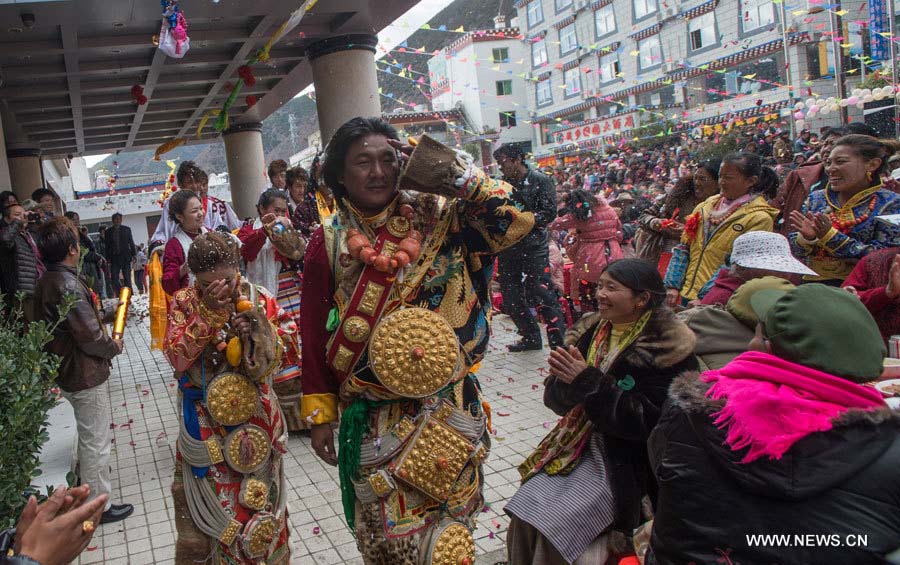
x,y
611,126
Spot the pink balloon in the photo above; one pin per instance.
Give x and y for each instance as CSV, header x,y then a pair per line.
x,y
798,115
852,100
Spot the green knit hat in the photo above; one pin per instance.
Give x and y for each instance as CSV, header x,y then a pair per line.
x,y
739,303
824,328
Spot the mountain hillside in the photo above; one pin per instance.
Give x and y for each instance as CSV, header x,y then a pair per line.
x,y
276,133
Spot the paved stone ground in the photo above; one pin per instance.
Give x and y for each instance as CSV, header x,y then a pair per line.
x,y
143,401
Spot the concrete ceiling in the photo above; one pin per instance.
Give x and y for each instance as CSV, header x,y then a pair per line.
x,y
65,81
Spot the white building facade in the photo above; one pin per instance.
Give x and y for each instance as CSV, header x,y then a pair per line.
x,y
607,70
480,74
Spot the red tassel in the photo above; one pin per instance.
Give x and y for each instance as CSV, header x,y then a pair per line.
x,y
246,448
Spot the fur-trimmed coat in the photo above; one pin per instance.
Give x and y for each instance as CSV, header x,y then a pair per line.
x,y
626,416
842,482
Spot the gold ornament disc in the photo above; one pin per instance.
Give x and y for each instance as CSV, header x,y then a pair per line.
x,y
259,533
414,352
356,329
231,399
247,449
254,493
454,546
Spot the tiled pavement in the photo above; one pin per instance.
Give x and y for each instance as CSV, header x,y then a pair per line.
x,y
143,410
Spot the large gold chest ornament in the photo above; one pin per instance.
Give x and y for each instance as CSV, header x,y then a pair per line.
x,y
414,352
231,399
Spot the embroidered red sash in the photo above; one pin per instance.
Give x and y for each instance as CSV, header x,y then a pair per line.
x,y
366,304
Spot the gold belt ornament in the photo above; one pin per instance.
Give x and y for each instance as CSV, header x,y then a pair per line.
x,y
433,458
414,352
451,544
259,533
254,493
247,449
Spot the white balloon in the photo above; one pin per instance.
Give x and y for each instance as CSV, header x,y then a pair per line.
x,y
861,106
878,94
865,92
867,98
844,103
800,124
810,102
830,99
820,102
799,106
834,107
824,111
856,92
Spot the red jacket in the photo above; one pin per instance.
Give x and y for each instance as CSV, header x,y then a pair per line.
x,y
869,277
723,288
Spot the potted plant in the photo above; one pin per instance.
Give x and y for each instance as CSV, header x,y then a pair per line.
x,y
27,394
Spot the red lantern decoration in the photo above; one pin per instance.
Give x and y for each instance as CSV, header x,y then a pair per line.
x,y
244,71
229,87
251,100
137,90
250,80
141,100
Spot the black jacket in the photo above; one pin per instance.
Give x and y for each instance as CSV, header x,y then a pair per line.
x,y
119,244
841,482
18,261
625,417
536,194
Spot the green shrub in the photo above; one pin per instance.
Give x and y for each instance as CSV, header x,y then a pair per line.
x,y
27,374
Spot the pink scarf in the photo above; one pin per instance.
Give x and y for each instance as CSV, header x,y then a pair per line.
x,y
771,403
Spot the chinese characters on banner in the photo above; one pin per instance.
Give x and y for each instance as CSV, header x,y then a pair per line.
x,y
878,24
608,127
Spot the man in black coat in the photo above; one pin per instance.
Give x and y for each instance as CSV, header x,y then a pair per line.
x,y
782,456
524,269
20,261
120,250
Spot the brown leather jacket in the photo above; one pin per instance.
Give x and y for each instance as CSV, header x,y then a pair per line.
x,y
80,340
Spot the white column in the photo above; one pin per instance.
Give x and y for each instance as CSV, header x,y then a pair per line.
x,y
246,166
25,172
343,69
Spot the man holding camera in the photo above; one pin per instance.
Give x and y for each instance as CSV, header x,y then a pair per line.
x,y
20,261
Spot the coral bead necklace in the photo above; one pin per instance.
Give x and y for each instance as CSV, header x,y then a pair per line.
x,y
408,250
845,226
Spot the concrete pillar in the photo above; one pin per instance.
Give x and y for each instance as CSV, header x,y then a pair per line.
x,y
5,182
343,69
246,166
25,172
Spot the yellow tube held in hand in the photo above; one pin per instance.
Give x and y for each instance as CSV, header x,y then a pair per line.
x,y
121,313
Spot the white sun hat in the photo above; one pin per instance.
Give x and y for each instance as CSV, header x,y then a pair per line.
x,y
766,250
